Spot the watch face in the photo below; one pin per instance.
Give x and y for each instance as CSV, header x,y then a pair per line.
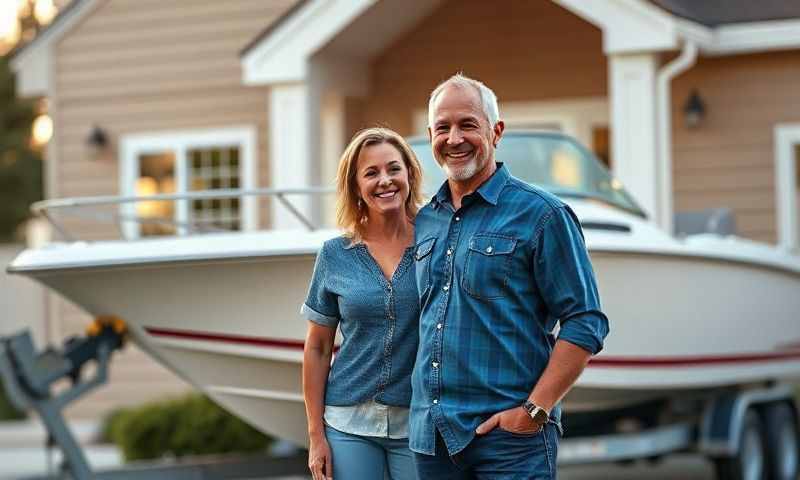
x,y
540,416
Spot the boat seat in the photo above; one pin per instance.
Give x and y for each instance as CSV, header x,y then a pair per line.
x,y
719,221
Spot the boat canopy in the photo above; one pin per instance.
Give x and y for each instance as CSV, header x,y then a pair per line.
x,y
549,160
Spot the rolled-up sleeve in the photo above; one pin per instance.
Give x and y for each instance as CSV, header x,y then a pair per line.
x,y
321,305
566,281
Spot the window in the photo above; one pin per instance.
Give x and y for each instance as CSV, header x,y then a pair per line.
x,y
787,184
212,169
183,162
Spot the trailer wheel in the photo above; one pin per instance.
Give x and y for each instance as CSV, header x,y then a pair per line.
x,y
782,442
749,463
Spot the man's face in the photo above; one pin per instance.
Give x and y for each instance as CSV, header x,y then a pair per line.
x,y
463,142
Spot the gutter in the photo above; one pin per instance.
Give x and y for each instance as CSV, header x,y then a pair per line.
x,y
683,62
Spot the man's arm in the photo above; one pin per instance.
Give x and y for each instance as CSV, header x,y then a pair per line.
x,y
562,270
565,366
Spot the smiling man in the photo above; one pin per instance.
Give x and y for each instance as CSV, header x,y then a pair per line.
x,y
499,263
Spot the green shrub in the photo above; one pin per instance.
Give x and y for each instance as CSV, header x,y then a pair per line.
x,y
7,411
191,425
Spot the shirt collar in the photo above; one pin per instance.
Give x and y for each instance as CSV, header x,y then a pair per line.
x,y
489,190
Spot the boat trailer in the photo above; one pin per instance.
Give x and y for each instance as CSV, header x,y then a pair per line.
x,y
30,377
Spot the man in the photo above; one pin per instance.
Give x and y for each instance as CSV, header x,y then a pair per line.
x,y
499,263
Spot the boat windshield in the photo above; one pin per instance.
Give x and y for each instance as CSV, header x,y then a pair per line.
x,y
551,161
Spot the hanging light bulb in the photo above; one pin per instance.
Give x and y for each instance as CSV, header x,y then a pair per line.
x,y
9,27
44,11
42,130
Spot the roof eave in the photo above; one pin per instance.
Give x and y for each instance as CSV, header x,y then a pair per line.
x,y
33,62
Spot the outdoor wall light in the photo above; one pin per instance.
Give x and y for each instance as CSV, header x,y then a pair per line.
x,y
694,110
97,141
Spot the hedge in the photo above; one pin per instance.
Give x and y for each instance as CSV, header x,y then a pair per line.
x,y
7,411
190,425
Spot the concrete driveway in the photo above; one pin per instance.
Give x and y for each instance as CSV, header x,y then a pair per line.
x,y
684,467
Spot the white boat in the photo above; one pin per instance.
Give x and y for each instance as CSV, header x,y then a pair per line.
x,y
222,310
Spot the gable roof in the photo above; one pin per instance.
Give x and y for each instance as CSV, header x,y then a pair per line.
x,y
56,24
714,13
272,27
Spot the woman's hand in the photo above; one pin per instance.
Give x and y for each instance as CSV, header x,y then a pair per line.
x,y
320,461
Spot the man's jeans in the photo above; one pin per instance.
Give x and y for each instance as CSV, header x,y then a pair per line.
x,y
496,455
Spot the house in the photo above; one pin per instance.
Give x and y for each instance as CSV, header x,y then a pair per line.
x,y
692,104
143,72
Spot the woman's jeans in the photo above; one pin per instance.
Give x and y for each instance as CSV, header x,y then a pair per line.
x,y
497,454
357,457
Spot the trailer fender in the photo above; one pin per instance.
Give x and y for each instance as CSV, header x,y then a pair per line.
x,y
723,418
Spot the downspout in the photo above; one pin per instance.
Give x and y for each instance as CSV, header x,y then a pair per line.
x,y
683,62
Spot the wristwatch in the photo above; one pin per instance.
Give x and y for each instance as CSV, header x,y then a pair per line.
x,y
537,413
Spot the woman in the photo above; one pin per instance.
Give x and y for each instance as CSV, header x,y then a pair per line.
x,y
364,283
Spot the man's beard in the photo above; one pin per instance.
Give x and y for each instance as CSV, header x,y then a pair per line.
x,y
462,172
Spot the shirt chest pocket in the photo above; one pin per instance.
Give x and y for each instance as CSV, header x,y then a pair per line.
x,y
488,265
422,261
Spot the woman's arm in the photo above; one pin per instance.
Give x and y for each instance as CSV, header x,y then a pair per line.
x,y
316,364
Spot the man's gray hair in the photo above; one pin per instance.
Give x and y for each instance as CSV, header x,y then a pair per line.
x,y
488,98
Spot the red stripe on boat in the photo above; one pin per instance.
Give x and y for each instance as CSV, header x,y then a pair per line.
x,y
600,362
226,338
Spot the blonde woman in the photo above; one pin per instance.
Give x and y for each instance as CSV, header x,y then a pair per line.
x,y
364,284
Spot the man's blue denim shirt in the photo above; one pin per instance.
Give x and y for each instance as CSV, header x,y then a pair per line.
x,y
378,320
494,278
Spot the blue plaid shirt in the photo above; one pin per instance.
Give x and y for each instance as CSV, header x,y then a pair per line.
x,y
494,278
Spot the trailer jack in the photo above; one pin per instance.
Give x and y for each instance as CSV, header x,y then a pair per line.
x,y
29,378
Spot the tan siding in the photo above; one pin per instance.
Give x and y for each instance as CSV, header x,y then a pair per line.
x,y
729,159
134,66
525,51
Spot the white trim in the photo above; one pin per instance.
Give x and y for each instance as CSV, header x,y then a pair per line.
x,y
702,35
628,25
33,65
755,37
289,149
179,141
638,26
283,55
787,136
632,91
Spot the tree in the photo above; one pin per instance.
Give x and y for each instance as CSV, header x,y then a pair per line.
x,y
20,164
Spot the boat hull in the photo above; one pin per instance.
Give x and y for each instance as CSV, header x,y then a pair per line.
x,y
232,327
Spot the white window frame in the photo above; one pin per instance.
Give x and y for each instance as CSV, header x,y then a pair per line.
x,y
179,142
786,209
574,117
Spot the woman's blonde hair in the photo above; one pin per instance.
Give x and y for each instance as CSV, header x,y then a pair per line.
x,y
351,214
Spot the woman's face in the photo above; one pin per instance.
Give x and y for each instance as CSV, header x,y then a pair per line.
x,y
382,179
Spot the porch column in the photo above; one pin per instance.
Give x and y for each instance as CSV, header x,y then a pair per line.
x,y
290,141
632,85
332,144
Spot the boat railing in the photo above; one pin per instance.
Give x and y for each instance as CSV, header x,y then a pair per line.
x,y
91,208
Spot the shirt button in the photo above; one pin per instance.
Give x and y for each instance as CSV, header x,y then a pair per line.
x,y
435,401
438,326
489,249
435,364
458,219
449,251
446,288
